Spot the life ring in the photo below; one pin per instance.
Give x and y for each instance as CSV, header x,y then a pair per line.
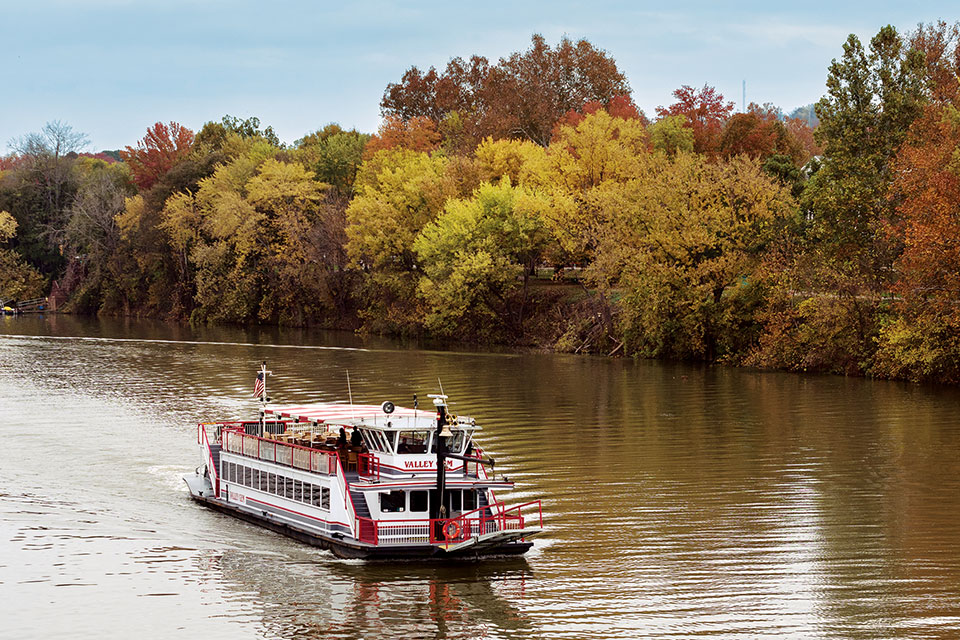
x,y
451,530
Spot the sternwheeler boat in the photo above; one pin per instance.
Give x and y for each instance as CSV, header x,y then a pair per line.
x,y
364,481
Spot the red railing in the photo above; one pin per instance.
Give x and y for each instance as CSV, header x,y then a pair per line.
x,y
367,530
290,455
368,466
450,530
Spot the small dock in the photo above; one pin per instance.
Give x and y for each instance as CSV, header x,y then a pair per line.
x,y
36,305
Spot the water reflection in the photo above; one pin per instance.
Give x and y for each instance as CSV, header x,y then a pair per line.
x,y
312,597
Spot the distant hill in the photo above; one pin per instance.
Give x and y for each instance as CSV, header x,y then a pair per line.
x,y
807,114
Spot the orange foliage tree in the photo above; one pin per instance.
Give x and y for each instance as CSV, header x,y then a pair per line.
x,y
419,133
522,96
706,113
924,341
761,133
619,107
157,152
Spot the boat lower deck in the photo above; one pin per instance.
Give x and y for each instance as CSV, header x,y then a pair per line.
x,y
345,547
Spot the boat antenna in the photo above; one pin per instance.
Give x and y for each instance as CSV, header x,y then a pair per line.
x,y
350,395
441,385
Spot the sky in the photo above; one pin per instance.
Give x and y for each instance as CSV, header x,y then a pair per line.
x,y
112,68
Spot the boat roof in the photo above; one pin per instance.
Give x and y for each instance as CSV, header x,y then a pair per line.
x,y
357,414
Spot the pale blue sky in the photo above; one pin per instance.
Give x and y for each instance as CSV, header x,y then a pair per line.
x,y
111,68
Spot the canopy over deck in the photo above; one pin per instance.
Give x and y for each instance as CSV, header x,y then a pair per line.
x,y
340,413
370,415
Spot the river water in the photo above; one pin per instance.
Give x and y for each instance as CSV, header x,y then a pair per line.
x,y
680,500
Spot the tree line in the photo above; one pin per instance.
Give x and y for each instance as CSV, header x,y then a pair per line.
x,y
529,201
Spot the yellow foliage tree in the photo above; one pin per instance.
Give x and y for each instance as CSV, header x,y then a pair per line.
x,y
680,245
18,280
398,192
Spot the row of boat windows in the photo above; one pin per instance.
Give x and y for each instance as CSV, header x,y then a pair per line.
x,y
419,501
278,485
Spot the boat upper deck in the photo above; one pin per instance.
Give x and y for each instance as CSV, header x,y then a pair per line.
x,y
406,458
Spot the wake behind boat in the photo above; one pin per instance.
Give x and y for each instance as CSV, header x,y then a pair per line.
x,y
364,481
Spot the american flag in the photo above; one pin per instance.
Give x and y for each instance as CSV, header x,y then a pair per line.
x,y
260,387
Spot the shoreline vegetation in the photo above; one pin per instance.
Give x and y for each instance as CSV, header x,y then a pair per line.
x,y
529,202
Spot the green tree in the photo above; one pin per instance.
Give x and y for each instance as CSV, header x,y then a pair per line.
x,y
335,156
671,134
213,135
477,257
398,192
828,281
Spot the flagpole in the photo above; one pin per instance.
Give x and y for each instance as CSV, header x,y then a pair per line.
x,y
263,399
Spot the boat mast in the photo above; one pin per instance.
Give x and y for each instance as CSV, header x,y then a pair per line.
x,y
442,433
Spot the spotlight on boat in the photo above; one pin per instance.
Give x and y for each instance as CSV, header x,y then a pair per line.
x,y
387,407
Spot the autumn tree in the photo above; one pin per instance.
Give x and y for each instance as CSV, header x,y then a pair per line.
x,y
523,95
670,135
705,110
159,150
418,133
841,257
619,107
584,160
680,245
923,342
477,257
398,192
18,280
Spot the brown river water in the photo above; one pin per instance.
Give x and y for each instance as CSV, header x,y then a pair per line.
x,y
679,500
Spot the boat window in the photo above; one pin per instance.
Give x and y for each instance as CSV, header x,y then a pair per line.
x,y
321,497
272,482
288,487
469,500
418,501
393,502
370,440
456,500
385,441
413,442
297,490
374,440
391,438
307,488
454,443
